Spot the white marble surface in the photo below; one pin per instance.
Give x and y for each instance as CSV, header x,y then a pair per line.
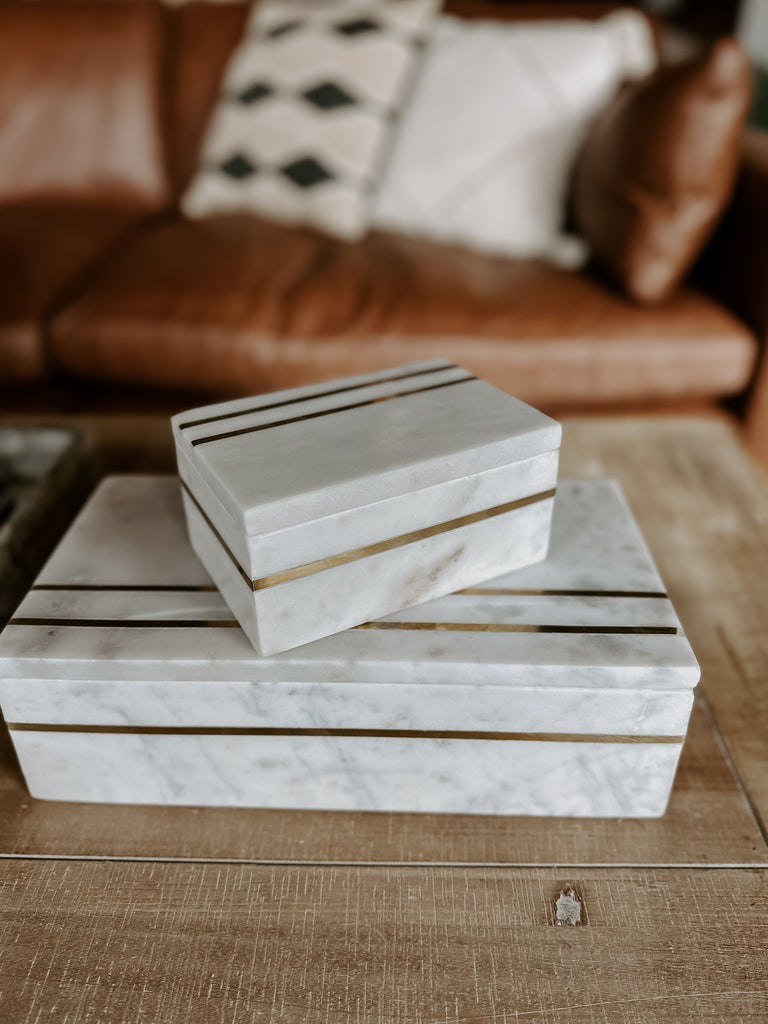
x,y
262,554
438,424
80,662
494,777
296,612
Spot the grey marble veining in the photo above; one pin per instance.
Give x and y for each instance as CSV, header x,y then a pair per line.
x,y
124,632
596,544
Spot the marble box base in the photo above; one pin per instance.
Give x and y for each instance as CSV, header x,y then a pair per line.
x,y
318,508
561,689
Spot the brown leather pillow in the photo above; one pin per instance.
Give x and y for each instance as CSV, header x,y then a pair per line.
x,y
658,167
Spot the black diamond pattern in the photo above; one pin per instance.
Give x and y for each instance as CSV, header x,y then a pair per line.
x,y
238,167
283,30
328,96
306,173
357,27
254,93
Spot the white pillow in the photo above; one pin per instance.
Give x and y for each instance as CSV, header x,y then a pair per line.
x,y
306,111
484,150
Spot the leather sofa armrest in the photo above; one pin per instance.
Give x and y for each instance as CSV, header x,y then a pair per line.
x,y
734,268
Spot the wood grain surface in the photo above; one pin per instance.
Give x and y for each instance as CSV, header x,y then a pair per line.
x,y
118,943
116,915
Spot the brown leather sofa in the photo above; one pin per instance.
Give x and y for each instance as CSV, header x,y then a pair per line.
x,y
102,110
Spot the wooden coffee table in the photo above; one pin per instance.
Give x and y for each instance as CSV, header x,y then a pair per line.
x,y
171,916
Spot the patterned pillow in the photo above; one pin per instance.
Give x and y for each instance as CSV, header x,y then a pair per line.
x,y
308,103
484,151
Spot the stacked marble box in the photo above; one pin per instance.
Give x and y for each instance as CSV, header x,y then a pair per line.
x,y
322,507
563,689
524,685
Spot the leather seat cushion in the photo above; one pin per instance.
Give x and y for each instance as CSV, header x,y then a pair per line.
x,y
43,252
234,305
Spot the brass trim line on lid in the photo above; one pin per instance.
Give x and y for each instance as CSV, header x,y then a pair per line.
x,y
180,588
309,398
431,734
519,627
210,587
327,412
455,627
33,620
510,592
345,557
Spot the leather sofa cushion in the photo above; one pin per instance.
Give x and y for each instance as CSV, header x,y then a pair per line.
x,y
234,305
658,168
43,251
80,103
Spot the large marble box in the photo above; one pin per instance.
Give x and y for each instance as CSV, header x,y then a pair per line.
x,y
318,508
562,689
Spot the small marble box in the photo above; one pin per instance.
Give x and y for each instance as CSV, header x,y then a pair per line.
x,y
318,508
562,689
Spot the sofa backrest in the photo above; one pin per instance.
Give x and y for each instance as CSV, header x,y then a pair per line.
x,y
203,35
531,10
80,103
108,102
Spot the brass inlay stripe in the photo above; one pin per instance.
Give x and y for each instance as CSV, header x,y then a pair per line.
x,y
309,398
370,549
455,627
509,592
431,734
128,588
131,623
515,627
326,412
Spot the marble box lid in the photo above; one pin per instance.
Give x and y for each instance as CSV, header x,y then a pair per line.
x,y
563,688
124,598
291,457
